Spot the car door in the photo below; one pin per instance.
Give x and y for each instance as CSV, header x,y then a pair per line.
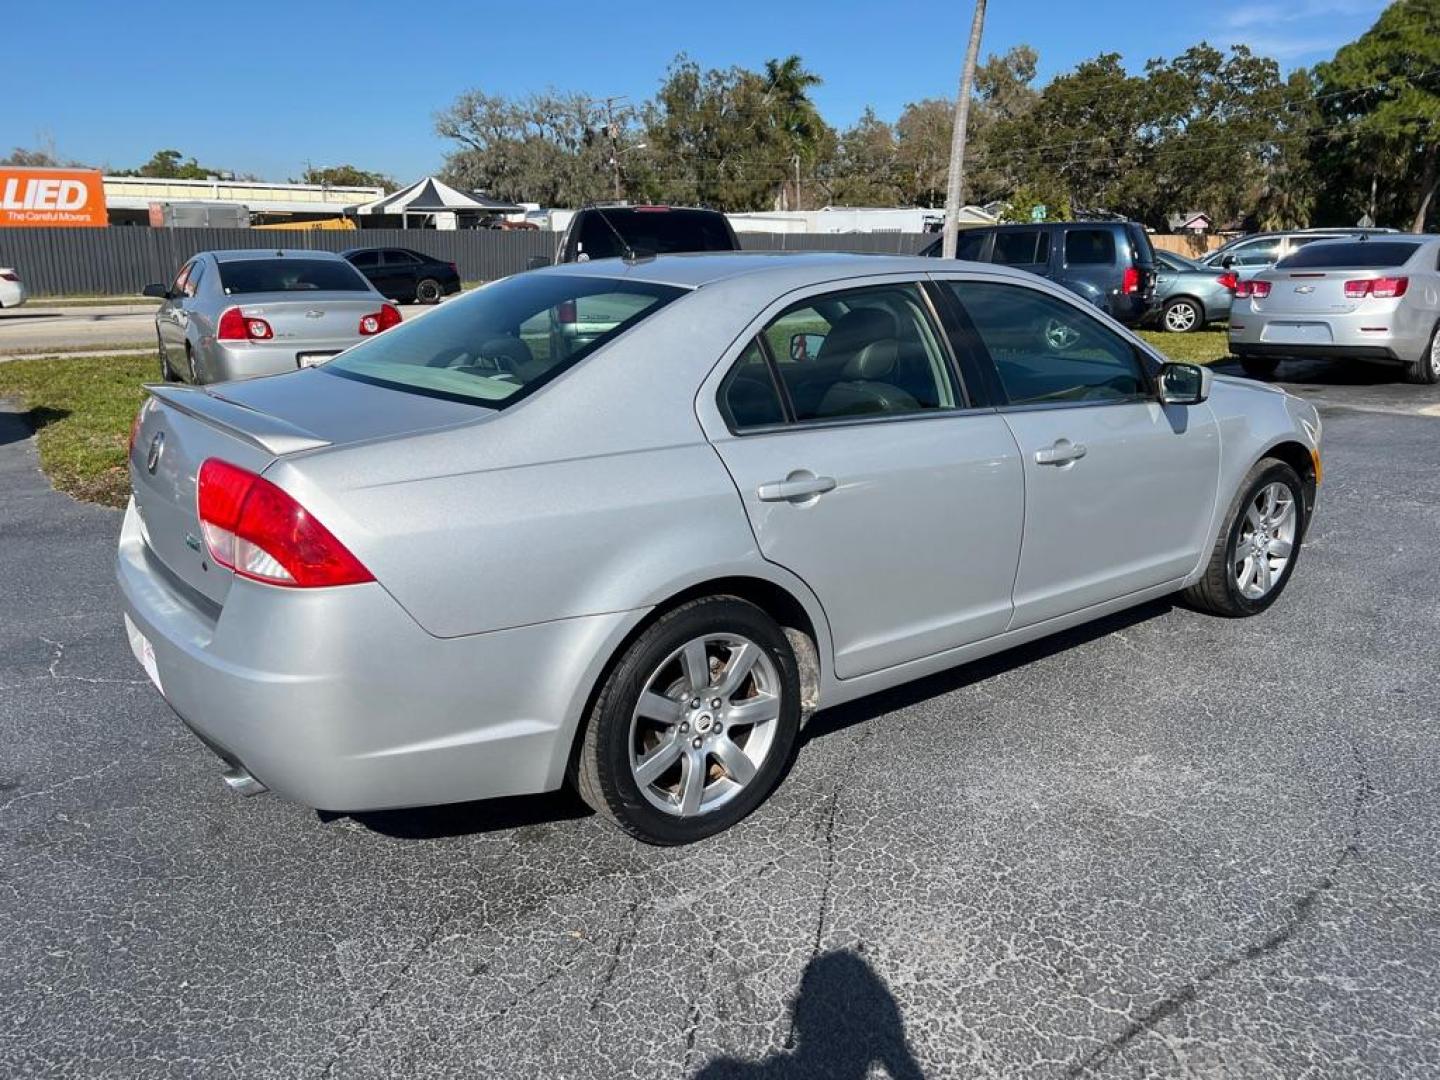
x,y
866,471
401,270
368,263
172,319
1119,489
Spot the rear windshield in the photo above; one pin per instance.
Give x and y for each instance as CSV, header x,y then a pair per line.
x,y
290,275
660,231
1350,255
502,341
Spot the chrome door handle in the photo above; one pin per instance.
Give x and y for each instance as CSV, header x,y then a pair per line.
x,y
1064,452
795,487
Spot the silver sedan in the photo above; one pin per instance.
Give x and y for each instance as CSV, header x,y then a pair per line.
x,y
1376,298
476,557
236,314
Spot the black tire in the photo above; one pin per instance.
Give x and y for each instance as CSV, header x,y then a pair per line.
x,y
190,365
428,291
1426,370
1217,591
1259,367
1176,311
167,374
602,771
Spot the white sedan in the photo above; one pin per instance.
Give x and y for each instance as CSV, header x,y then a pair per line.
x,y
12,289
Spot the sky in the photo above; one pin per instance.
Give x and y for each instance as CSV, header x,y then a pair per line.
x,y
263,86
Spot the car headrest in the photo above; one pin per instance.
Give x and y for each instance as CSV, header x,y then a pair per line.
x,y
853,331
874,361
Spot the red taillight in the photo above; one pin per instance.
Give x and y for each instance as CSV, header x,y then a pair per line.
x,y
1228,280
135,430
1382,288
383,319
1130,282
565,311
235,325
455,269
1246,289
260,532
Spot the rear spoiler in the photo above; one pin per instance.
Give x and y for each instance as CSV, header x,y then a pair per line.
x,y
269,433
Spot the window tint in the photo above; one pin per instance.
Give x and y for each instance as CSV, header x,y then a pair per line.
x,y
1258,253
1351,255
969,244
365,260
653,230
192,283
861,352
1089,247
1023,247
498,343
400,258
290,275
748,397
1047,350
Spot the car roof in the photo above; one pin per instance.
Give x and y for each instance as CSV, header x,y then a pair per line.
x,y
790,269
243,254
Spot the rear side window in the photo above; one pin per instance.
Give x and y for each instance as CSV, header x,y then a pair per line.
x,y
1021,248
1350,255
290,275
1140,245
365,260
659,231
501,342
1259,253
748,396
1089,247
400,258
969,244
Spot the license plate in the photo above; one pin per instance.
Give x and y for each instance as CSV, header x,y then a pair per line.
x,y
144,652
310,359
1297,333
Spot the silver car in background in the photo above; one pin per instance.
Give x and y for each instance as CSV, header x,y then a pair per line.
x,y
237,314
1376,298
474,557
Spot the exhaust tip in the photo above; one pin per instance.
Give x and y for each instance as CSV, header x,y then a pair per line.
x,y
239,780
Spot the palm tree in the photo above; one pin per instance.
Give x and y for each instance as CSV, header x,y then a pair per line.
x,y
798,122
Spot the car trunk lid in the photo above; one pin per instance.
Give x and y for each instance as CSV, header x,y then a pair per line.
x,y
1308,292
323,319
253,424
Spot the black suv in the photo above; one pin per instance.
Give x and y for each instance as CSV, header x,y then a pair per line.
x,y
1109,263
609,232
403,275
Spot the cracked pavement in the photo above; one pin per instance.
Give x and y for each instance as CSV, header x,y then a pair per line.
x,y
1163,845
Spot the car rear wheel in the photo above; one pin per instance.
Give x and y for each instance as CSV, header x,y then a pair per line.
x,y
1256,550
427,291
1426,370
695,724
1259,367
1182,316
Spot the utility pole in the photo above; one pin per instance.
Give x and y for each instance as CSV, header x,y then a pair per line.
x,y
612,130
956,185
797,183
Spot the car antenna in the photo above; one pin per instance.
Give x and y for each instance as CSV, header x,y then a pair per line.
x,y
630,255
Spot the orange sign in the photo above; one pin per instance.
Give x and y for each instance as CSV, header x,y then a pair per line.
x,y
59,198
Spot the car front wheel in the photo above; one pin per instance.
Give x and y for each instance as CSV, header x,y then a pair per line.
x,y
695,724
1255,553
1182,316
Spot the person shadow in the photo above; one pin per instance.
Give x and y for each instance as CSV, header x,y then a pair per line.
x,y
844,1022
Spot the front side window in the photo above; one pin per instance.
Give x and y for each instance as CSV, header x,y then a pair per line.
x,y
1089,247
178,287
192,282
290,275
1259,253
400,258
1048,351
859,353
500,342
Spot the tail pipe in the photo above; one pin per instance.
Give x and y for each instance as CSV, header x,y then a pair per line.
x,y
238,779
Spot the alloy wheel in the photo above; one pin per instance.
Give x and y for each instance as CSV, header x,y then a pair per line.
x,y
705,723
1435,356
1266,541
1181,317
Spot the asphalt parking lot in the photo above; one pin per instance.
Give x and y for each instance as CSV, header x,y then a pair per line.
x,y
1163,845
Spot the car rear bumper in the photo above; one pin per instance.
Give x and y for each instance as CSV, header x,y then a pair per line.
x,y
245,360
1132,310
1394,332
336,698
1314,352
12,294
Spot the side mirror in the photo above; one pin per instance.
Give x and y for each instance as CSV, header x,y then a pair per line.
x,y
805,346
1227,262
1185,384
159,292
537,261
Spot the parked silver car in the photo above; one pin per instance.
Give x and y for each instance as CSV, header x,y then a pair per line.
x,y
1190,294
471,558
1371,299
236,314
1248,255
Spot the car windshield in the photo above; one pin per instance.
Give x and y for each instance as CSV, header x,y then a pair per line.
x,y
290,275
505,340
1350,255
658,230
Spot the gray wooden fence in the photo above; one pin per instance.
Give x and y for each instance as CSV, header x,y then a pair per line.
x,y
122,261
